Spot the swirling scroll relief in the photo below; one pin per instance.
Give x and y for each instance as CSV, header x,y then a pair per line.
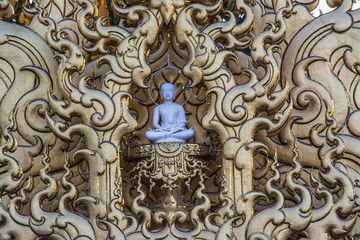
x,y
331,76
261,79
304,213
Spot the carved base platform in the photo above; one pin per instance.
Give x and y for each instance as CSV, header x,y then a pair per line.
x,y
135,153
170,161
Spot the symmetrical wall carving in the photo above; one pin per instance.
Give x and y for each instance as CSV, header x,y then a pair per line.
x,y
271,92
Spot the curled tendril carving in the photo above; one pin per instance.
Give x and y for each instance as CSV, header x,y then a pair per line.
x,y
273,102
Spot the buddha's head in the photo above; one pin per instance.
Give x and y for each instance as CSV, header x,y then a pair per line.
x,y
167,91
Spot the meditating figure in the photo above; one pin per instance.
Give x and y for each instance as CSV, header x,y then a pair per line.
x,y
173,121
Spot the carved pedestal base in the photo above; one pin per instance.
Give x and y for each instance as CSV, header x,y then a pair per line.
x,y
176,169
172,161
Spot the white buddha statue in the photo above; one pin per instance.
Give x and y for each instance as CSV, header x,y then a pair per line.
x,y
173,121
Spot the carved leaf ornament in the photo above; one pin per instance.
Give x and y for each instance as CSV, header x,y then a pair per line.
x,y
271,91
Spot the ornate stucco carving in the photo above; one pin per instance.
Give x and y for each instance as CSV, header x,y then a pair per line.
x,y
270,91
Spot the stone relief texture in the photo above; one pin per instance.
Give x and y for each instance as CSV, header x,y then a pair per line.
x,y
270,91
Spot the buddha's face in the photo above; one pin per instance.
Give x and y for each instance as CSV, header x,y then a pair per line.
x,y
167,91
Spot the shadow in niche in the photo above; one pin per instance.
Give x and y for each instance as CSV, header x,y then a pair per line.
x,y
170,174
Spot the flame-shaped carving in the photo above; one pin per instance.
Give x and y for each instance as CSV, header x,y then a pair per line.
x,y
270,91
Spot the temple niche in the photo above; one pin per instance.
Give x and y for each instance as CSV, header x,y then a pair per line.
x,y
194,101
173,169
